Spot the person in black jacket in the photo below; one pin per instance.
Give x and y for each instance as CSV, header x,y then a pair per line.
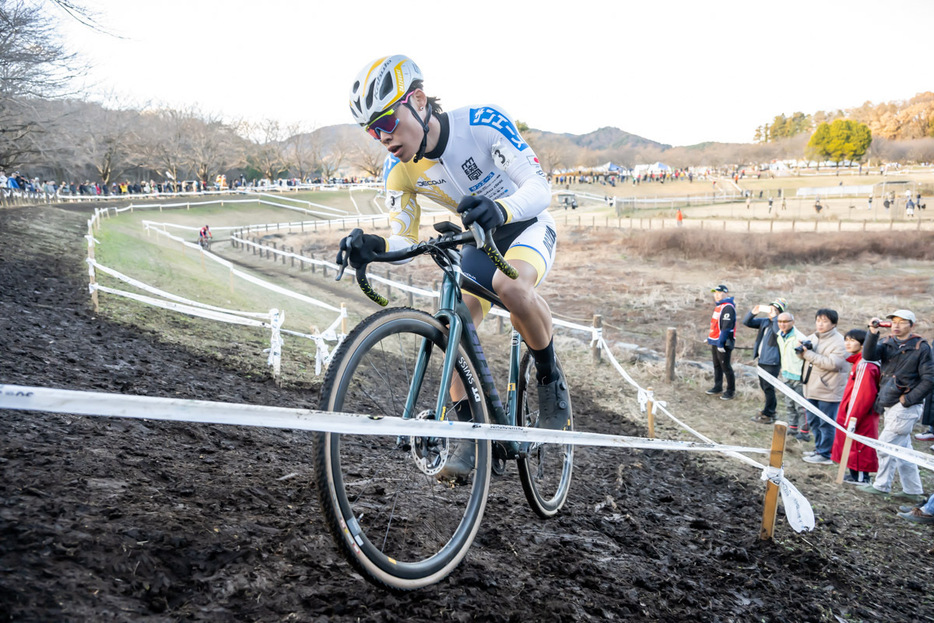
x,y
722,339
907,379
767,352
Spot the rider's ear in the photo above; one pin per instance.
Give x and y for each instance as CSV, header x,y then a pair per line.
x,y
419,99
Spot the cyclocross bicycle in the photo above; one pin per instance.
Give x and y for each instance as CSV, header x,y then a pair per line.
x,y
395,513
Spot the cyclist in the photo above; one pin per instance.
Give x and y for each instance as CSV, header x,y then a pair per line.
x,y
473,161
204,234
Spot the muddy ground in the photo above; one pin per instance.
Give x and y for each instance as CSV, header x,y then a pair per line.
x,y
134,520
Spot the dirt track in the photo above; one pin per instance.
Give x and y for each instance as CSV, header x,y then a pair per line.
x,y
126,520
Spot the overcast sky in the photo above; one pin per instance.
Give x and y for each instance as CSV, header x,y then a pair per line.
x,y
675,72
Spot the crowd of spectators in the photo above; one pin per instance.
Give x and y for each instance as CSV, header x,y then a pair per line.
x,y
880,374
17,184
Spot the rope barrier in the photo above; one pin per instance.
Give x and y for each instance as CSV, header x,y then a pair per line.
x,y
912,456
101,404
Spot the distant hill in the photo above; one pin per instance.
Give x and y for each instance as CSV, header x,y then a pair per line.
x,y
609,138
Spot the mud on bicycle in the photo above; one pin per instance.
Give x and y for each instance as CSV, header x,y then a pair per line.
x,y
395,514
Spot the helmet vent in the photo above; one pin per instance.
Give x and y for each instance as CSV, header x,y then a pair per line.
x,y
369,96
385,88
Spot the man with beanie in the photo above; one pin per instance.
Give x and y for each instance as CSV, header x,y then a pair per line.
x,y
767,352
722,339
907,378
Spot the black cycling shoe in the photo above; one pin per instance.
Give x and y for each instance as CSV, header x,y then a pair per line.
x,y
554,405
460,462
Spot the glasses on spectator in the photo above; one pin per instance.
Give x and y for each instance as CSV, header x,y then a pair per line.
x,y
386,122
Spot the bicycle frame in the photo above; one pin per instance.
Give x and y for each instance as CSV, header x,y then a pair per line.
x,y
454,313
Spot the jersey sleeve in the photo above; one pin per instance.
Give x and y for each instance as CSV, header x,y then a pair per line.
x,y
495,131
401,202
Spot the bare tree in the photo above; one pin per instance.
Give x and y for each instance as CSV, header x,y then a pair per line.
x,y
368,156
33,65
301,151
268,154
333,156
163,142
214,147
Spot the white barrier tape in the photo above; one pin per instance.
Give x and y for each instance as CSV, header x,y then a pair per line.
x,y
185,309
247,277
276,318
208,412
167,295
335,267
798,510
335,211
912,456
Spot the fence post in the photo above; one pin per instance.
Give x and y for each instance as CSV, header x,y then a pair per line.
x,y
411,294
598,328
292,257
776,458
650,412
844,457
388,286
344,318
671,347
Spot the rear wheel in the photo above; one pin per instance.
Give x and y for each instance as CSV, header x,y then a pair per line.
x,y
395,514
545,469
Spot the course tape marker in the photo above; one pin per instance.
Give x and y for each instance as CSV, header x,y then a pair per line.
x,y
912,456
26,398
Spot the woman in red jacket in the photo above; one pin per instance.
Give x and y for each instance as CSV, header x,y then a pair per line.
x,y
858,398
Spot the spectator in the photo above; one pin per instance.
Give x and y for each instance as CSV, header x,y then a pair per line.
x,y
767,352
927,418
722,339
817,206
788,338
825,374
907,378
860,392
679,217
918,514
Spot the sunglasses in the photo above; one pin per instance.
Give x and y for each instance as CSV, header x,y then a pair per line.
x,y
386,122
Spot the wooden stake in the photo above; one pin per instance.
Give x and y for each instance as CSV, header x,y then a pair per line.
x,y
650,409
776,459
844,457
671,347
344,318
595,349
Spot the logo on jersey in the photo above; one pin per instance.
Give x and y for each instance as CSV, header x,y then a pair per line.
x,y
427,183
476,187
497,120
471,170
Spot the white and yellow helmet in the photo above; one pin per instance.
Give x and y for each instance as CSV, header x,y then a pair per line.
x,y
381,83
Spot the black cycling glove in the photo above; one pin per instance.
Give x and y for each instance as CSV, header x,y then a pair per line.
x,y
360,248
481,210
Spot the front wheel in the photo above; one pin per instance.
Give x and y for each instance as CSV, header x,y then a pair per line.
x,y
545,469
396,510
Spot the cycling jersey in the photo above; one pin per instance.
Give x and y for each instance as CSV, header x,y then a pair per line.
x,y
479,152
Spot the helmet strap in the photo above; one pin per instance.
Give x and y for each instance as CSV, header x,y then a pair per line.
x,y
421,149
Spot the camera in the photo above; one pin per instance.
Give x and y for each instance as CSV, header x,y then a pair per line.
x,y
881,323
805,345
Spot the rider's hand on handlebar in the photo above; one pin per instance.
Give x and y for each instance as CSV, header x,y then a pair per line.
x,y
360,248
481,210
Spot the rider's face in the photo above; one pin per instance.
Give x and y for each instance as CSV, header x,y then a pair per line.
x,y
404,142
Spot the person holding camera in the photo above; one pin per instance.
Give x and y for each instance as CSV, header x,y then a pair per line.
x,y
825,373
722,340
767,352
907,378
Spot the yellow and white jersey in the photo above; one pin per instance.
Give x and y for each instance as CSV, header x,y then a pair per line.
x,y
480,152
